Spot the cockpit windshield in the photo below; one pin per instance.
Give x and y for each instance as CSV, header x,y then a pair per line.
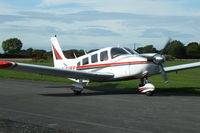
x,y
115,52
131,51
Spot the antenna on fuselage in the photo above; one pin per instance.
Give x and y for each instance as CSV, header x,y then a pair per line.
x,y
75,55
85,52
134,46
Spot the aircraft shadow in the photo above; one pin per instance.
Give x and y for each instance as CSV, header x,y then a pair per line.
x,y
184,91
96,90
92,91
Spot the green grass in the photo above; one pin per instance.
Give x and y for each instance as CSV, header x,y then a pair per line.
x,y
186,81
31,76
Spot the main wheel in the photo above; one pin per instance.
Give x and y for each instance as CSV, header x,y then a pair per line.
x,y
77,92
149,93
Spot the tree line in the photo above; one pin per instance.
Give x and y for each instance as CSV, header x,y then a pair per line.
x,y
175,49
13,49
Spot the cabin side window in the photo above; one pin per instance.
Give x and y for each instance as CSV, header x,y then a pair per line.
x,y
79,63
104,56
94,58
85,61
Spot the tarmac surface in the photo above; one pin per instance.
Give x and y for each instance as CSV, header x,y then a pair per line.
x,y
98,109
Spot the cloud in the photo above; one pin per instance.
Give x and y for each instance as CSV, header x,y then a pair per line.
x,y
71,4
39,30
84,22
50,30
96,32
64,2
39,15
53,2
163,21
9,18
129,26
129,19
158,33
153,7
78,16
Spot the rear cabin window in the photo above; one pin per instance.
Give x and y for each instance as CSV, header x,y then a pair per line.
x,y
79,63
94,58
104,56
115,52
85,61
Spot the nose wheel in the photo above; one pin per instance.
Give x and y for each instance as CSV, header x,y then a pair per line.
x,y
146,88
77,92
149,93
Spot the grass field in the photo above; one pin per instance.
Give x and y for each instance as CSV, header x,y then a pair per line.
x,y
186,81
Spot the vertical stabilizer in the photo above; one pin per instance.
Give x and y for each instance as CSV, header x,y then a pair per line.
x,y
58,56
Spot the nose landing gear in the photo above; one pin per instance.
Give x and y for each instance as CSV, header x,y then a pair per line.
x,y
146,87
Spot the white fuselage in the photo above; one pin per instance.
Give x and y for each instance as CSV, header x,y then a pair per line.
x,y
124,67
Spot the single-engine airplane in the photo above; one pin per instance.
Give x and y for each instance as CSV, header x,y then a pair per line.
x,y
107,64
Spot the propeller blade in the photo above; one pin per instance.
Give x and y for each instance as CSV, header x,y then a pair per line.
x,y
163,73
164,50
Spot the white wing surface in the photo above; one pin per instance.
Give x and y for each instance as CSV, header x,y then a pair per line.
x,y
46,70
182,67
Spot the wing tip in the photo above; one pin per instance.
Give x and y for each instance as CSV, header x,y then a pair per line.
x,y
4,64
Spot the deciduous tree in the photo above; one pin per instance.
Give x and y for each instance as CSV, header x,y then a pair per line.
x,y
12,46
193,50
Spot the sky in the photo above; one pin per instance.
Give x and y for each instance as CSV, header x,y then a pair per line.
x,y
91,24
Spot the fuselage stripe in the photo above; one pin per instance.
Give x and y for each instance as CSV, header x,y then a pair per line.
x,y
110,64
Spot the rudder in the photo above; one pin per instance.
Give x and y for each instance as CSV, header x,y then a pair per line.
x,y
58,56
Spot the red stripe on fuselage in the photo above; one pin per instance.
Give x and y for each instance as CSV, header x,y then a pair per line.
x,y
111,64
58,57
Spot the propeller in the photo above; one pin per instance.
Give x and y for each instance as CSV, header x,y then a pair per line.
x,y
163,73
159,60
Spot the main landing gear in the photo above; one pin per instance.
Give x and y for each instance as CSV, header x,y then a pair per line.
x,y
77,88
146,87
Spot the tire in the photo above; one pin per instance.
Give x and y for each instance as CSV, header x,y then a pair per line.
x,y
77,92
149,93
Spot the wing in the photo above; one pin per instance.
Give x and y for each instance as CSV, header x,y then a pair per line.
x,y
46,70
182,67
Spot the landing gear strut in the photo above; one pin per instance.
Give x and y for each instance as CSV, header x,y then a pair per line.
x,y
146,87
143,81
